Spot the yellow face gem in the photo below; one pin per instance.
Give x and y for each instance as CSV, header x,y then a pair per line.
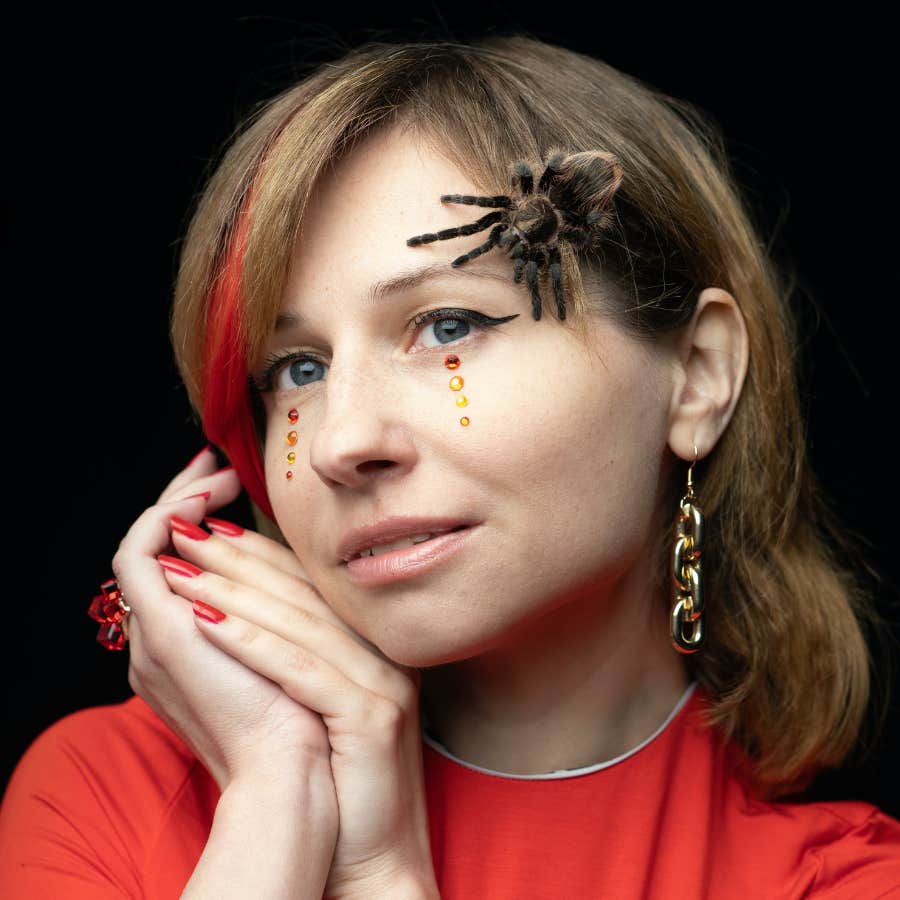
x,y
291,456
461,400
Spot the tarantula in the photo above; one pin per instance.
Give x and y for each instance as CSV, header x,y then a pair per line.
x,y
571,204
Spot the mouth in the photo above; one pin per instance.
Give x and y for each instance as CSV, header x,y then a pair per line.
x,y
403,543
405,559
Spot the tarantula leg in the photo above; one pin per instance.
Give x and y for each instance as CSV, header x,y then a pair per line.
x,y
554,167
477,201
510,238
531,270
518,269
482,248
601,220
577,236
461,231
556,276
571,218
522,173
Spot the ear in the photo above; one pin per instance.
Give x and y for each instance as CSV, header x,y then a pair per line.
x,y
712,355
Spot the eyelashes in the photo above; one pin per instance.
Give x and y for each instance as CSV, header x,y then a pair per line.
x,y
271,366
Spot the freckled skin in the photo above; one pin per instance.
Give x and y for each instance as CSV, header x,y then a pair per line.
x,y
546,620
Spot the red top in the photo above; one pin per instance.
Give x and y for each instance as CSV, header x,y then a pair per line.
x,y
108,802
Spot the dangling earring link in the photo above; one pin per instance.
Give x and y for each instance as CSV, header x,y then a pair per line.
x,y
686,570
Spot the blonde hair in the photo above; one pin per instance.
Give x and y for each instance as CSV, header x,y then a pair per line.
x,y
786,657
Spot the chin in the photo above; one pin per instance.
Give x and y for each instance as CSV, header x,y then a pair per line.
x,y
422,649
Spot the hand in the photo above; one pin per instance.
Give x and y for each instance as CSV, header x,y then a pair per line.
x,y
278,625
239,724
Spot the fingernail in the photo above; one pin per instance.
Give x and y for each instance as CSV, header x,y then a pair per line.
x,y
189,529
204,494
207,447
178,566
223,527
205,611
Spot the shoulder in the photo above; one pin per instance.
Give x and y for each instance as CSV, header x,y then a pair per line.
x,y
842,849
88,799
856,850
102,745
838,850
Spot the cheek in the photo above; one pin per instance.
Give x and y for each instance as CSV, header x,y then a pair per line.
x,y
287,488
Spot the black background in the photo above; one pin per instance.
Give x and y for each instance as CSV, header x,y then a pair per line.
x,y
112,125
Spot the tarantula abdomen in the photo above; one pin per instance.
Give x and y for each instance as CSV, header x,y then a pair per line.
x,y
572,203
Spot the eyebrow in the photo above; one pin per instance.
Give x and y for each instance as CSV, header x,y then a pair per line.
x,y
403,281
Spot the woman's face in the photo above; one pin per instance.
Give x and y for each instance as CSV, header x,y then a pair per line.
x,y
561,461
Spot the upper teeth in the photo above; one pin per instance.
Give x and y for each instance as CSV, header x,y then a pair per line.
x,y
395,545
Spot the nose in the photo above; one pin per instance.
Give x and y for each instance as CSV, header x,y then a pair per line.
x,y
363,433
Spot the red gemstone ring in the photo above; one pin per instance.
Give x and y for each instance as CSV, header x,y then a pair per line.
x,y
110,609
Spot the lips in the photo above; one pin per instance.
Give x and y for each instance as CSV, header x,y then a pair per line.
x,y
407,564
392,529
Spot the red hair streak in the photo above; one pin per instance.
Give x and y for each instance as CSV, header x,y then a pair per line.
x,y
227,409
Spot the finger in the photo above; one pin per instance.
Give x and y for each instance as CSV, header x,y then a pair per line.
x,y
236,559
258,545
281,625
302,671
223,485
134,564
204,463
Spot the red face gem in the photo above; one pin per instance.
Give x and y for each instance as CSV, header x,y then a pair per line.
x,y
452,361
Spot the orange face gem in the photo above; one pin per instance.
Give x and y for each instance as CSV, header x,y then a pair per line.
x,y
291,456
292,437
452,361
456,383
293,415
464,420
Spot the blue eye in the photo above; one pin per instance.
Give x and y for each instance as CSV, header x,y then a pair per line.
x,y
300,366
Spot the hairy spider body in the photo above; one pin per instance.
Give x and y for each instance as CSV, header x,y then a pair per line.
x,y
571,204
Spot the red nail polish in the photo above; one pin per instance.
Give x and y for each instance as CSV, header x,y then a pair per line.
x,y
205,494
223,527
208,612
189,529
178,566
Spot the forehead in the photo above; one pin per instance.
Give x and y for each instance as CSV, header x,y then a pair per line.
x,y
362,211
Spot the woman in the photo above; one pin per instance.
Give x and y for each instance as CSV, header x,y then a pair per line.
x,y
627,627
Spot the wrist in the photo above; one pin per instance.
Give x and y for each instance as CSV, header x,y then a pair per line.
x,y
289,795
404,884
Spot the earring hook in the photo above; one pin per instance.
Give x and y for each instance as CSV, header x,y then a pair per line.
x,y
690,474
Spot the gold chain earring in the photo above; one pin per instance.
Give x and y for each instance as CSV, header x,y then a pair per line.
x,y
688,608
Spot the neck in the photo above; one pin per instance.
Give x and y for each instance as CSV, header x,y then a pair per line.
x,y
589,679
